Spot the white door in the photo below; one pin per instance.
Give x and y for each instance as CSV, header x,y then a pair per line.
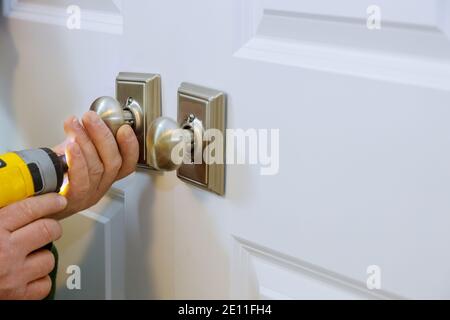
x,y
360,205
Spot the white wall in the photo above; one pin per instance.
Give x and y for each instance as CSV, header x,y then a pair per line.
x,y
8,59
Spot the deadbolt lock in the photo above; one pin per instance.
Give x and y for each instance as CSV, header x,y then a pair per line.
x,y
166,144
203,111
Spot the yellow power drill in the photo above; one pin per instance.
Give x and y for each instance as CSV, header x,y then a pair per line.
x,y
29,173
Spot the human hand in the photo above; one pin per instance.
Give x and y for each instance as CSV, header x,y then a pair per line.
x,y
24,230
95,159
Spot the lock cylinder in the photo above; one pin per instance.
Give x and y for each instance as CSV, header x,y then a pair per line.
x,y
29,173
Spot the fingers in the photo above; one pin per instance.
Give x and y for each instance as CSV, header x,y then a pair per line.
x,y
102,161
94,165
61,148
38,264
107,149
129,149
38,289
78,173
79,188
36,235
24,212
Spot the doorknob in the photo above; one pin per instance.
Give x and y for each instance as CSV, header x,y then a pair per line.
x,y
166,144
115,115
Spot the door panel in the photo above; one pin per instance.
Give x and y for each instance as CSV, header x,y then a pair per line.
x,y
407,49
363,118
360,141
93,242
260,273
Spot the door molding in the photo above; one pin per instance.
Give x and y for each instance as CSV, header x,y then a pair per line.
x,y
343,44
261,273
106,21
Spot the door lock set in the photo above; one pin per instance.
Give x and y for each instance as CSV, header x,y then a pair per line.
x,y
166,144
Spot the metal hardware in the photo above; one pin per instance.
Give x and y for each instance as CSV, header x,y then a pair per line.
x,y
201,109
163,136
144,89
138,104
134,115
112,113
161,139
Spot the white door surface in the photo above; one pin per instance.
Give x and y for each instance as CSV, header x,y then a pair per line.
x,y
362,194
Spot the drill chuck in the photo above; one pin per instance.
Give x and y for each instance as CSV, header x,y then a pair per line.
x,y
29,173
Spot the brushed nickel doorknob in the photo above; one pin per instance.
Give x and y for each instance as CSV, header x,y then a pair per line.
x,y
115,115
162,136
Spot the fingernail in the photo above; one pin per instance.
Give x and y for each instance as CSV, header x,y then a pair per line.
x,y
62,201
76,124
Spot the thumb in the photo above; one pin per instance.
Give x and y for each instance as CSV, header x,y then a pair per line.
x,y
21,213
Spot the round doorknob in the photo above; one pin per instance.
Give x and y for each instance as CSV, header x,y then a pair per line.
x,y
169,145
163,136
115,115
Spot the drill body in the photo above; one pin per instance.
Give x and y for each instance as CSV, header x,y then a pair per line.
x,y
29,173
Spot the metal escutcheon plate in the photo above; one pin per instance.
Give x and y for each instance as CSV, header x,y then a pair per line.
x,y
207,109
145,89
